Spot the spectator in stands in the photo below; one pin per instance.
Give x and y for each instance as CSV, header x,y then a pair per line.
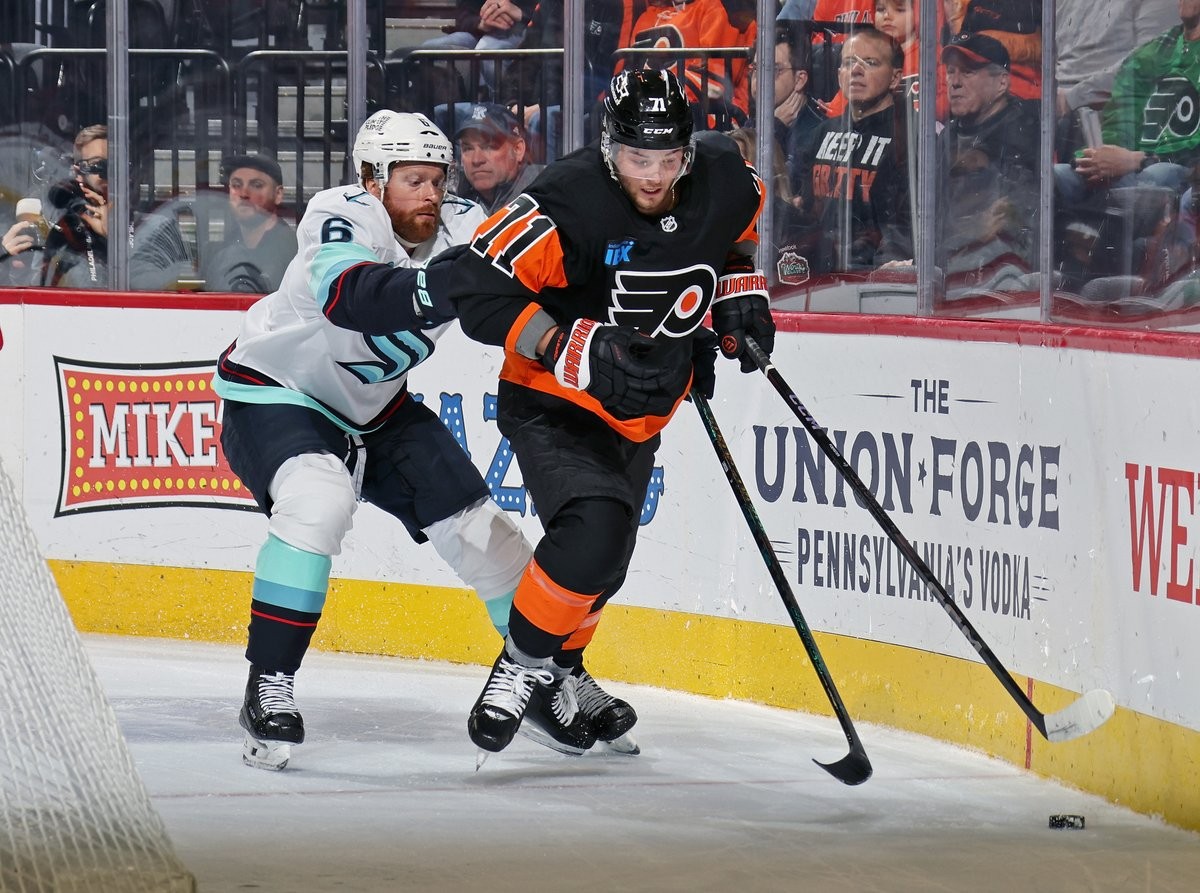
x,y
259,244
1092,39
898,20
1015,23
718,87
853,13
77,247
532,86
796,117
986,222
494,157
485,25
21,244
796,11
1150,131
788,229
845,154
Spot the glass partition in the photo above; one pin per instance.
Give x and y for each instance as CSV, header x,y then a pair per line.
x,y
1057,186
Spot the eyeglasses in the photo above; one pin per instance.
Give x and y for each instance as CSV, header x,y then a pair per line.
x,y
98,166
865,61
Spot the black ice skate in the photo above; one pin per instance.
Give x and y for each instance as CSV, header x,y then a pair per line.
x,y
610,718
501,706
554,719
271,720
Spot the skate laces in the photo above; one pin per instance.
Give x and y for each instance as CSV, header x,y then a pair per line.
x,y
511,684
591,697
276,693
565,702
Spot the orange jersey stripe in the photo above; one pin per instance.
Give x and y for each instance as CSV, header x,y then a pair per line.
x,y
548,606
582,637
750,234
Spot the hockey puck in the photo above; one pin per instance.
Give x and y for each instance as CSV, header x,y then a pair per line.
x,y
1072,822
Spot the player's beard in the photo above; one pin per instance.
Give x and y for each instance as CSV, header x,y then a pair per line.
x,y
416,225
653,204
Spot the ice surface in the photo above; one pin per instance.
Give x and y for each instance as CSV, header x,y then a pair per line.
x,y
384,796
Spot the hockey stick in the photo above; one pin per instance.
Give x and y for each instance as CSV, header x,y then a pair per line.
x,y
1080,717
854,768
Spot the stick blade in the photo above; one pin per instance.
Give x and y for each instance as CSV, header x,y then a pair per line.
x,y
854,768
1085,715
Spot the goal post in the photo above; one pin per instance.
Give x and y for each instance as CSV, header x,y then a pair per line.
x,y
74,814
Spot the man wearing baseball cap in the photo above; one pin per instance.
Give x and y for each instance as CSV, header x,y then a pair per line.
x,y
258,243
494,156
987,173
977,78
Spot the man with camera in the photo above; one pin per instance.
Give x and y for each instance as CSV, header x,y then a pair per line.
x,y
77,246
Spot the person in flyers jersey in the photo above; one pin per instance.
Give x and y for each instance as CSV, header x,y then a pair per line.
x,y
596,281
317,414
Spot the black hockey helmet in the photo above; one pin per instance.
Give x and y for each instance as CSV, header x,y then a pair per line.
x,y
646,108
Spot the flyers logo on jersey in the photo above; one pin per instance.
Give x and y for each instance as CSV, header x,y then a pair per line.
x,y
666,302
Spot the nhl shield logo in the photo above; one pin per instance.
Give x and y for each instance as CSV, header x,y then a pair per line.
x,y
669,224
792,268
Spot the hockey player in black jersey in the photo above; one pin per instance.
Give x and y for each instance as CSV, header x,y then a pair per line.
x,y
596,281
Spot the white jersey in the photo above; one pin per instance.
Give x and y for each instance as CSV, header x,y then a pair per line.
x,y
288,350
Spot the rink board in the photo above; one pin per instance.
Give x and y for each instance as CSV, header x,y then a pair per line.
x,y
1046,475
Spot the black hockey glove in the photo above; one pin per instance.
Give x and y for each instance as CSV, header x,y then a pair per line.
x,y
631,374
742,308
430,300
704,362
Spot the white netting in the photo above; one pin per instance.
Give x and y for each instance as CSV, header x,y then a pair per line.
x,y
74,815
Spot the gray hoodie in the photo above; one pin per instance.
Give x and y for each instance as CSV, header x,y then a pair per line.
x,y
1093,40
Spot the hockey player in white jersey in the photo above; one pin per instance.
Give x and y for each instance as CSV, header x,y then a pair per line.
x,y
317,413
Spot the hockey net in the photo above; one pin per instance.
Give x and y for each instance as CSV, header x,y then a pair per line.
x,y
74,814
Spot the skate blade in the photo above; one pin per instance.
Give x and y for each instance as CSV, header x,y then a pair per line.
x,y
623,744
481,756
533,733
269,755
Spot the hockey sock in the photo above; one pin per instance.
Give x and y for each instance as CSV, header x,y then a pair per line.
x,y
290,585
545,613
498,610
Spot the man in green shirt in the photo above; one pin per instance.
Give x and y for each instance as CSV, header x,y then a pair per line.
x,y
1151,125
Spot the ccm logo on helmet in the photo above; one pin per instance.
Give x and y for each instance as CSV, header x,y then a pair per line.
x,y
656,131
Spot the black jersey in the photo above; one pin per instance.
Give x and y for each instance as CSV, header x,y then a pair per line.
x,y
842,160
574,245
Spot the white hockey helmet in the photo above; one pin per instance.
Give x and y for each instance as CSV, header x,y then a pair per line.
x,y
388,137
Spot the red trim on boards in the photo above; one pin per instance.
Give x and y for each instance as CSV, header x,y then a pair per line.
x,y
149,300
